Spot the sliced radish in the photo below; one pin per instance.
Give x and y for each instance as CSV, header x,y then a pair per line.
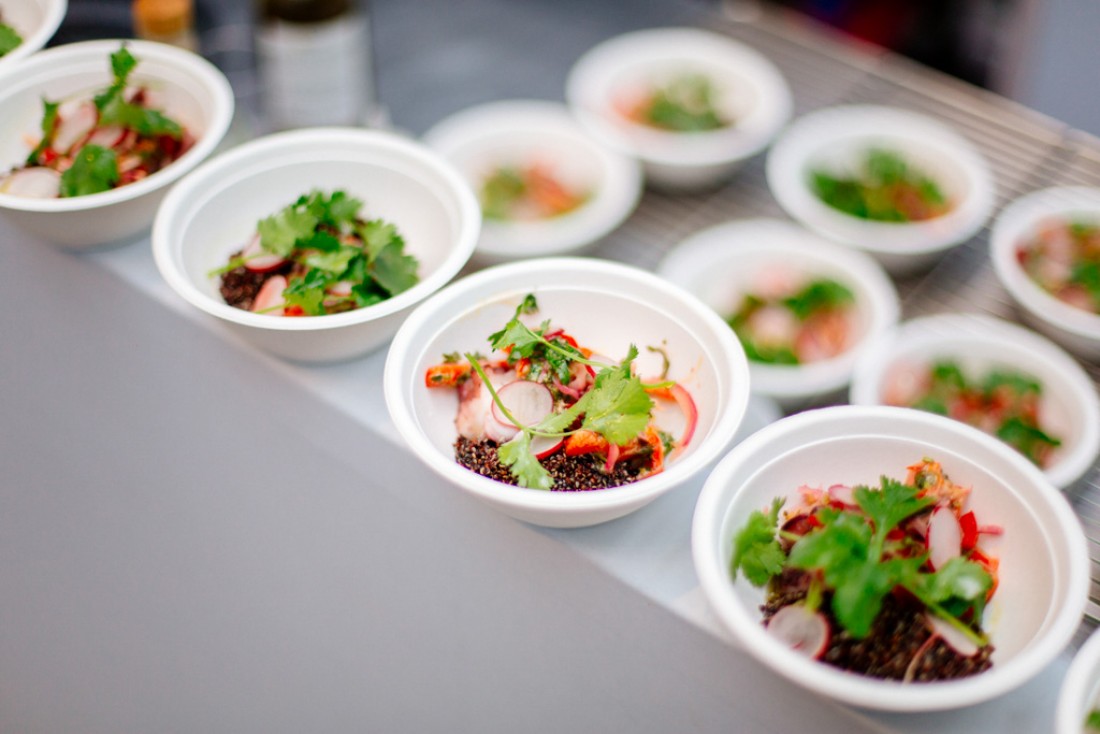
x,y
843,494
543,446
952,637
691,413
804,631
341,288
33,183
613,452
107,137
75,126
259,260
270,298
497,431
528,402
944,537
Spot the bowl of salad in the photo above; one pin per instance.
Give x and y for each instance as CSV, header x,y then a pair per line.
x,y
896,184
314,244
690,104
1002,378
93,133
565,391
26,26
1078,709
1046,252
889,558
803,308
546,187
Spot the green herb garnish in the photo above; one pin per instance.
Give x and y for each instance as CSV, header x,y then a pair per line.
x,y
49,129
94,169
9,39
1093,720
115,110
817,297
885,189
686,104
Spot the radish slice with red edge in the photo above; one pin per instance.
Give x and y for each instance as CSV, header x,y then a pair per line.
x,y
843,494
341,288
951,637
498,431
528,402
75,126
107,137
803,630
944,537
691,413
270,299
259,260
33,183
543,446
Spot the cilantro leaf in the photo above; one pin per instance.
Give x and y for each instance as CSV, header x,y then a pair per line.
x,y
143,120
309,299
525,467
818,295
94,169
393,269
889,505
756,551
49,130
619,408
281,231
333,262
376,235
9,39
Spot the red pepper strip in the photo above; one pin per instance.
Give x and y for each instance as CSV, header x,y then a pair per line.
x,y
294,310
969,525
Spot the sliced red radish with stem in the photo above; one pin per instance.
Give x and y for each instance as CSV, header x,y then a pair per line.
x,y
259,260
691,413
803,630
75,126
843,494
33,183
951,636
543,446
107,137
270,299
528,402
341,288
944,537
612,457
498,431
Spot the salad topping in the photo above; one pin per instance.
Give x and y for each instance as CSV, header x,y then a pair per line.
x,y
889,582
685,104
1063,258
1004,403
885,189
9,37
94,145
790,323
547,413
318,256
525,193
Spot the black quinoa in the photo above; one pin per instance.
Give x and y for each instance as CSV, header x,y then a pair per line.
x,y
898,635
570,473
240,285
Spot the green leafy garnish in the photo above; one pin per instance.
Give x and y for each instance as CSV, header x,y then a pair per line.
x,y
886,189
94,169
686,104
816,297
9,39
49,129
1093,720
115,110
819,295
756,551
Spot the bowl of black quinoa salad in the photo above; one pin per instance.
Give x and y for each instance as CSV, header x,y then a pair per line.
x,y
890,558
566,392
314,244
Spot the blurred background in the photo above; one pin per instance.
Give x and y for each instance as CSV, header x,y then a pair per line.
x,y
1041,53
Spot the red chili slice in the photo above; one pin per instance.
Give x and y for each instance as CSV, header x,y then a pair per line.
x,y
969,525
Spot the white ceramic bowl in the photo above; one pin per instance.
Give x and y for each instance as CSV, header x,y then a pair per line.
x,y
750,90
1044,561
35,20
837,138
1080,693
522,132
192,91
1076,329
1069,408
214,211
721,263
605,306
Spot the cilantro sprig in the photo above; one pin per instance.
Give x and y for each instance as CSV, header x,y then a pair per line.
x,y
856,556
9,39
616,407
115,110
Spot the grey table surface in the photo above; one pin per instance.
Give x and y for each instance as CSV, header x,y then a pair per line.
x,y
192,541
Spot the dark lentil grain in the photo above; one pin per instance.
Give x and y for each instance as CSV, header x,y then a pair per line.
x,y
570,473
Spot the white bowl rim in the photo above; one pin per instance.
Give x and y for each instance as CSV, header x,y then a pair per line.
x,y
211,79
783,237
1080,686
163,237
1012,338
787,157
399,367
852,688
1016,219
51,21
716,147
611,205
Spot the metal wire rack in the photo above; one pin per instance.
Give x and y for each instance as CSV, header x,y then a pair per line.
x,y
1026,150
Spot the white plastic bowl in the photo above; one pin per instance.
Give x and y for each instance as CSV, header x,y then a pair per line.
x,y
192,91
605,306
837,138
1074,328
1080,693
35,20
721,263
750,89
1069,408
214,211
519,133
1044,561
